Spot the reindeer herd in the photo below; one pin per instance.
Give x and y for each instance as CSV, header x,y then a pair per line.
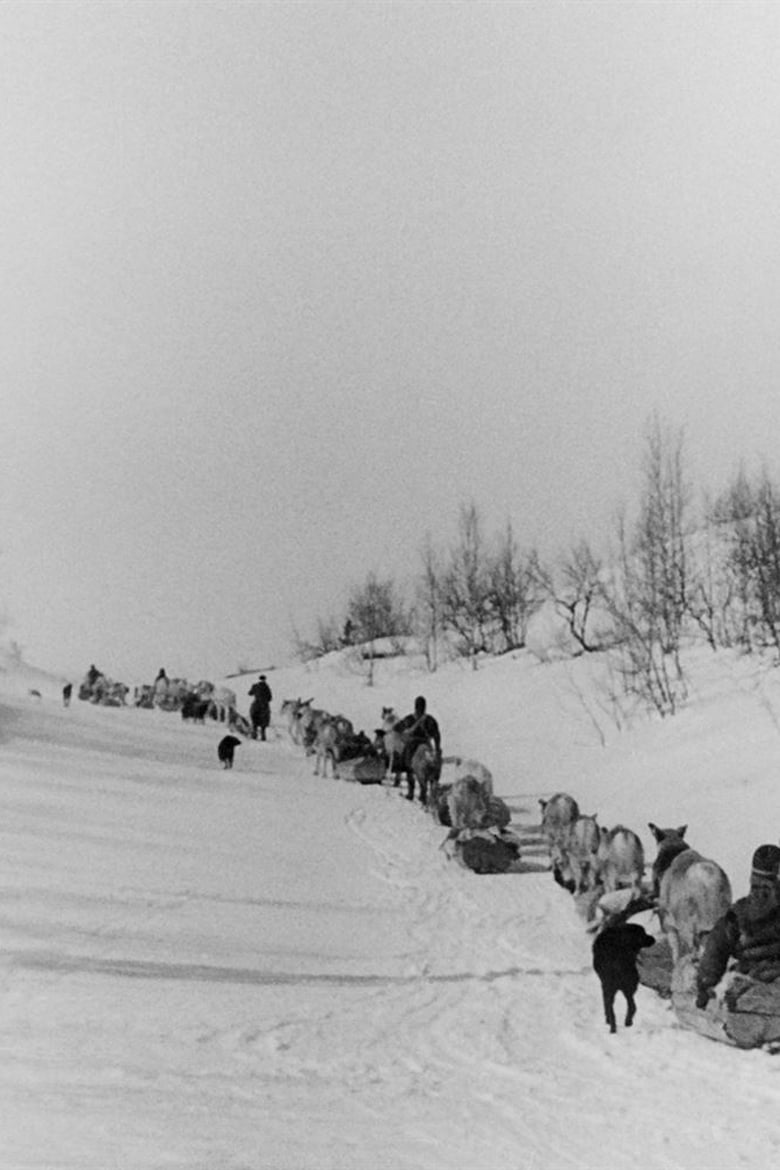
x,y
195,701
464,802
605,870
689,892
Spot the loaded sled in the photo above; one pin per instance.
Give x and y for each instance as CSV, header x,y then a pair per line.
x,y
744,1012
363,770
491,850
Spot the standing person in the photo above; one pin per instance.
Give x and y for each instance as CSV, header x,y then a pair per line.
x,y
87,688
418,729
160,687
260,711
67,691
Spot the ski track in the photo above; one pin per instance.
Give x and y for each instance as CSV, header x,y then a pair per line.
x,y
474,1039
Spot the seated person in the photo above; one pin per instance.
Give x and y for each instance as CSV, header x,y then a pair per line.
x,y
749,931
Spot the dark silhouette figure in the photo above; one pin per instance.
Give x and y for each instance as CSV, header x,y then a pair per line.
x,y
67,691
419,730
260,711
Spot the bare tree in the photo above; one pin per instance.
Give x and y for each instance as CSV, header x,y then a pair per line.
x,y
375,610
575,591
748,514
715,594
642,663
742,506
465,586
326,639
512,592
429,604
648,599
660,539
761,550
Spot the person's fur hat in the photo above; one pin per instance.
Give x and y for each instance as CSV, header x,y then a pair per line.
x,y
766,862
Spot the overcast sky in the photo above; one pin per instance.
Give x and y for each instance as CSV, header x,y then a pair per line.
x,y
285,284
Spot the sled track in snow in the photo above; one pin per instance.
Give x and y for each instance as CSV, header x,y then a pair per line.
x,y
205,973
461,1027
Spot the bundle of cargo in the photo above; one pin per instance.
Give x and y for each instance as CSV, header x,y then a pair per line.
x,y
363,770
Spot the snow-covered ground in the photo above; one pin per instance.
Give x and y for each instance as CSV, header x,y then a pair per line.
x,y
267,970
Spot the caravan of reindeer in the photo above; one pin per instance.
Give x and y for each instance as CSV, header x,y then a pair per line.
x,y
603,868
465,804
196,702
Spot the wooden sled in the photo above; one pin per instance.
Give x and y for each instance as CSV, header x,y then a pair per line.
x,y
743,1013
363,770
484,850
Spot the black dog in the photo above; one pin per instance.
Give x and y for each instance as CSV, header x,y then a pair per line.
x,y
226,750
615,952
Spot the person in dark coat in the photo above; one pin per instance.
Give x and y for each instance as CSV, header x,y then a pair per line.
x,y
67,691
260,710
418,729
87,690
749,931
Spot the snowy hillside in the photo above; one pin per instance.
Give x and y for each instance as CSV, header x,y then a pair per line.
x,y
17,677
545,727
263,969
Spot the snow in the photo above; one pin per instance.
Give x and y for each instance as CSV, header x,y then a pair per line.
x,y
264,969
